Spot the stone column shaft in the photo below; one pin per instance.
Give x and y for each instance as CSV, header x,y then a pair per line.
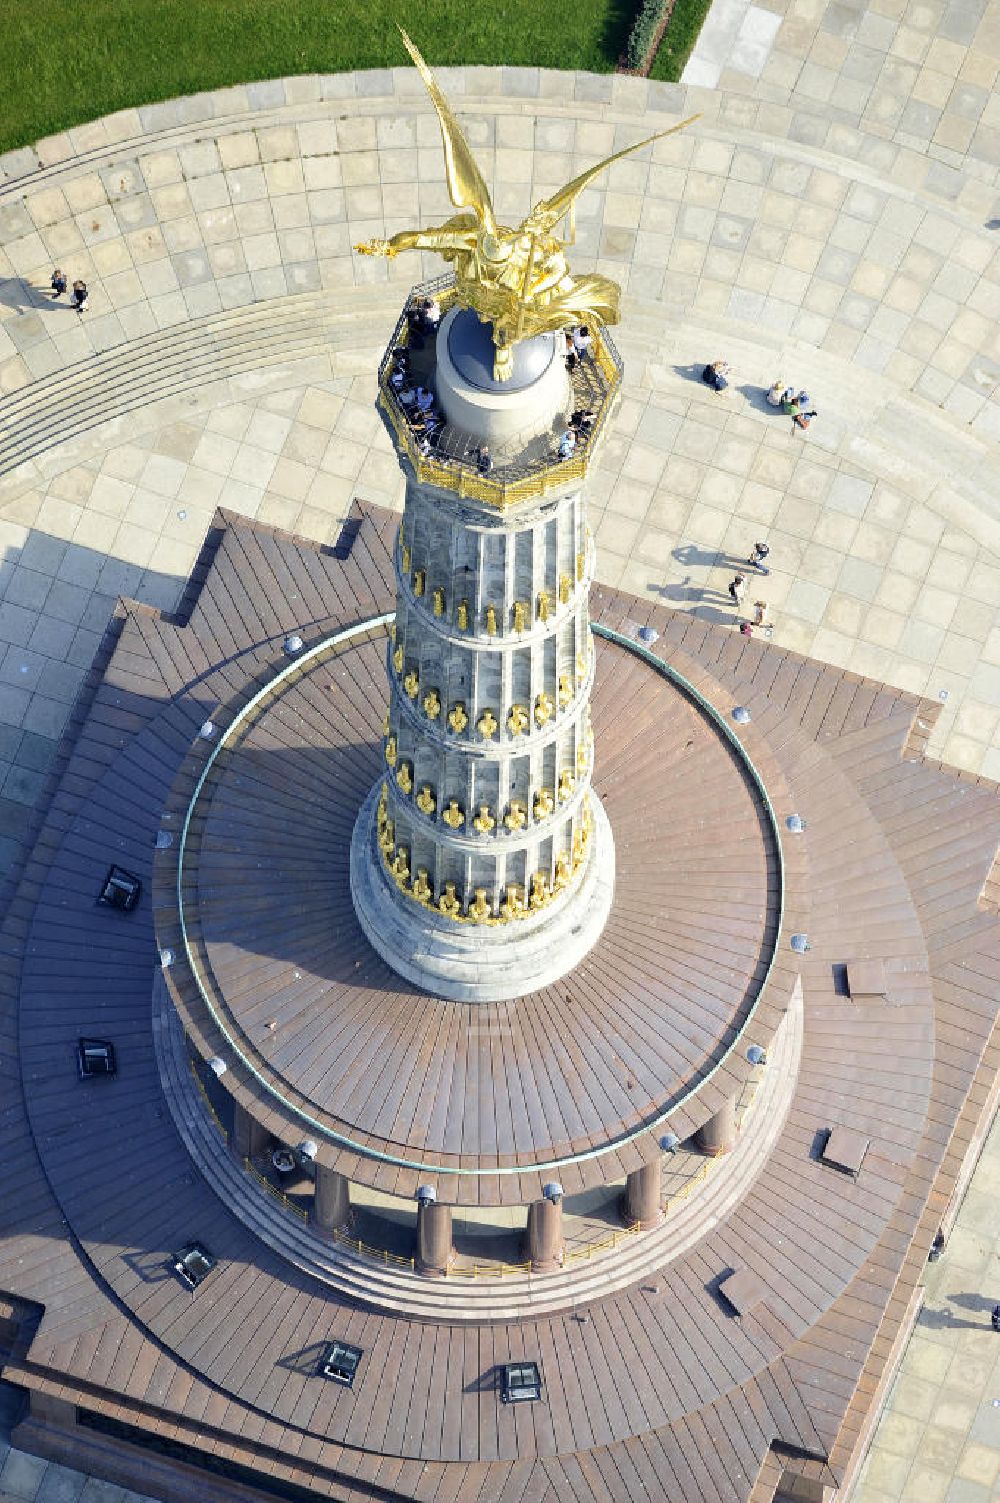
x,y
331,1207
249,1137
434,1249
643,1196
545,1235
718,1135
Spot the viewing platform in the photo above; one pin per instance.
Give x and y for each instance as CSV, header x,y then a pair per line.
x,y
520,471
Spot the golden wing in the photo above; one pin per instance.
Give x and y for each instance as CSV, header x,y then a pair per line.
x,y
545,215
465,181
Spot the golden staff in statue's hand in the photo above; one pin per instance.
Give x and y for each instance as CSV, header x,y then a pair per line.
x,y
377,248
517,280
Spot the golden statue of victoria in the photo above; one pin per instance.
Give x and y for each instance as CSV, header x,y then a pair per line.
x,y
517,280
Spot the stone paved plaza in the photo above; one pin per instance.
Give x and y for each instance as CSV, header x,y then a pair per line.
x,y
831,219
939,1437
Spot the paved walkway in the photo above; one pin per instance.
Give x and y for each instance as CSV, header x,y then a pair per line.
x,y
939,1438
215,235
831,220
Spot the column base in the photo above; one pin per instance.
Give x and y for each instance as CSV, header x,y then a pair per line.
x,y
640,1223
476,962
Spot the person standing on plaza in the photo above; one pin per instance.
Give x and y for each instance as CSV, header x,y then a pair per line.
x,y
80,295
58,283
737,589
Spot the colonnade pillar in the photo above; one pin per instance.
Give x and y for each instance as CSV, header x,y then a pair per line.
x,y
248,1137
642,1205
434,1249
545,1235
718,1135
331,1207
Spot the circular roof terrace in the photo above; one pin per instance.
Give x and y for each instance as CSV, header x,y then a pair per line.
x,y
399,1079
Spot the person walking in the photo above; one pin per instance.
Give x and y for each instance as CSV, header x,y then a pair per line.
x,y
758,554
58,283
80,295
995,1318
737,589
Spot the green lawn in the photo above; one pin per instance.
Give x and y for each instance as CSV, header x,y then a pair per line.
x,y
62,68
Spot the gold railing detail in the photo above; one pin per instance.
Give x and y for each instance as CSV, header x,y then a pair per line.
x,y
274,1192
463,477
366,1250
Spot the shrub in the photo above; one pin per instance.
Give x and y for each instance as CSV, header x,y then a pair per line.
x,y
649,18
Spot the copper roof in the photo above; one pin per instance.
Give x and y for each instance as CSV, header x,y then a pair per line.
x,y
662,1391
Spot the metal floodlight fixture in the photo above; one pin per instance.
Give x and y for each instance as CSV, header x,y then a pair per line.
x,y
741,715
520,1383
339,1362
207,730
192,1265
800,943
670,1142
95,1057
648,635
121,890
293,643
426,1195
217,1066
167,957
553,1191
756,1055
308,1149
795,823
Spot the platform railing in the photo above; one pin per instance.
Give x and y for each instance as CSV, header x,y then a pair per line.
x,y
509,484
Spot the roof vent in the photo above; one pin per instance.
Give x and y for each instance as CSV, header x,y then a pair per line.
x,y
217,1066
293,643
648,635
742,1290
206,730
167,957
426,1194
670,1142
866,980
795,823
845,1150
799,943
741,715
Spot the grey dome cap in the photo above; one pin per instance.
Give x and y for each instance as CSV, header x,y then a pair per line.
x,y
470,345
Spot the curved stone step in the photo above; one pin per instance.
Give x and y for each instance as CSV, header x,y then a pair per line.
x,y
102,387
